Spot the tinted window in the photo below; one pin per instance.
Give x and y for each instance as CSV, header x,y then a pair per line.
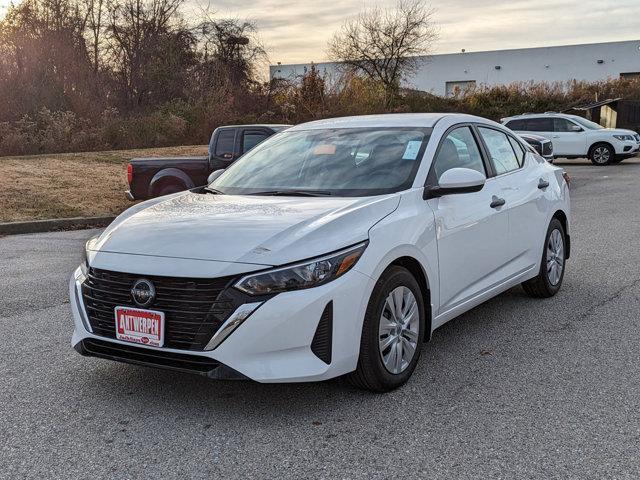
x,y
518,149
540,125
251,139
502,155
458,150
562,125
225,142
518,125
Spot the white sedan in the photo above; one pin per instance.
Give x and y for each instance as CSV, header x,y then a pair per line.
x,y
333,248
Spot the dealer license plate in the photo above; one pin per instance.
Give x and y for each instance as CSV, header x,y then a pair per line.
x,y
140,326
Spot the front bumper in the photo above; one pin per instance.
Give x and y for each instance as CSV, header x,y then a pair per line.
x,y
627,147
274,344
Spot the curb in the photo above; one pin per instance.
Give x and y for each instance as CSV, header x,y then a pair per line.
x,y
52,225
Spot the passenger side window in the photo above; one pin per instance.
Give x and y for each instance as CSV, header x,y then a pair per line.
x,y
502,155
517,147
251,139
458,150
224,145
562,125
540,125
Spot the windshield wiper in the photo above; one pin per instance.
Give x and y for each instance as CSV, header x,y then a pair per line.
x,y
295,193
213,190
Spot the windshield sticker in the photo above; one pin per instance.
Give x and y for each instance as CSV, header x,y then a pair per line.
x,y
325,149
411,152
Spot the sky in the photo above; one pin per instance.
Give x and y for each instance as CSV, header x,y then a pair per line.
x,y
297,31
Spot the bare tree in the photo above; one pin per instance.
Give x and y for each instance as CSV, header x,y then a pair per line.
x,y
94,15
386,45
149,49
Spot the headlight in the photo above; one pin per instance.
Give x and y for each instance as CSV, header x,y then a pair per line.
x,y
307,274
624,138
87,246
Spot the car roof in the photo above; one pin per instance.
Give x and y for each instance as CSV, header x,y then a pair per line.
x,y
387,120
540,115
266,125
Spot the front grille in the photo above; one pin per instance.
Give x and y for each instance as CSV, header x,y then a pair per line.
x,y
194,308
148,357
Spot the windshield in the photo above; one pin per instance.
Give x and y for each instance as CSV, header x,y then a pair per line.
x,y
588,124
341,162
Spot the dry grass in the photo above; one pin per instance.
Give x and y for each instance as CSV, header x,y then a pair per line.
x,y
71,184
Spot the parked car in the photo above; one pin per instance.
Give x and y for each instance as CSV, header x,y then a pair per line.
x,y
541,145
334,248
154,177
576,137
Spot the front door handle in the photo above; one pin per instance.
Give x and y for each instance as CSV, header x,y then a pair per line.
x,y
542,184
497,202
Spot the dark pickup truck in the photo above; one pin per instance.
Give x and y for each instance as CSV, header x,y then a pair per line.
x,y
153,177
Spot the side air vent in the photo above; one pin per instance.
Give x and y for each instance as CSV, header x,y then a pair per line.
x,y
323,338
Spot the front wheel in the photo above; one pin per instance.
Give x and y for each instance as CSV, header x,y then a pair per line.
x,y
602,154
392,333
549,279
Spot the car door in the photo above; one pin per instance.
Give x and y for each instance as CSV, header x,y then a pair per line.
x,y
566,139
223,148
471,228
542,126
521,184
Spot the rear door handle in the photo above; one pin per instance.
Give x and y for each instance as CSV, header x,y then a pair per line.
x,y
497,202
542,184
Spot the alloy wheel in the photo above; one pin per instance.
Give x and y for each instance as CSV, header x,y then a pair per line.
x,y
555,257
398,331
601,155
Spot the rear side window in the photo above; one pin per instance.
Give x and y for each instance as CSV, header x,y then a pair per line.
x,y
224,146
517,125
517,148
251,139
540,125
502,155
458,150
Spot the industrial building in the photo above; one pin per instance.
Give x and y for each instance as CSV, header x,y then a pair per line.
x,y
450,73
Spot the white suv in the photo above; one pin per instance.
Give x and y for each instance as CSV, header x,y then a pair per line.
x,y
575,137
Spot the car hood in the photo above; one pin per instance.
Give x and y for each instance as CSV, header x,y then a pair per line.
x,y
620,131
245,229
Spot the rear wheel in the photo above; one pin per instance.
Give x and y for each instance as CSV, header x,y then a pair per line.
x,y
602,154
549,279
392,333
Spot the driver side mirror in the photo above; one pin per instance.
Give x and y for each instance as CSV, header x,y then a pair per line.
x,y
213,175
576,128
456,181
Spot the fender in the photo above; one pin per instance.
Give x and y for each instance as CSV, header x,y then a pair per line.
x,y
173,173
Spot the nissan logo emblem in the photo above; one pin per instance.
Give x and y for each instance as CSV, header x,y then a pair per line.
x,y
143,292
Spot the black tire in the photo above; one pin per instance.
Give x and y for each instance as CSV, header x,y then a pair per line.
x,y
168,189
371,374
541,286
602,154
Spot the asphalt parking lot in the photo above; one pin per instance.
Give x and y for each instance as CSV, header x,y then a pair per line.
x,y
515,388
